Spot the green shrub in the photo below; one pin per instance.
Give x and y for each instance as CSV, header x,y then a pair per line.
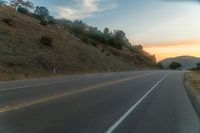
x,y
22,10
43,22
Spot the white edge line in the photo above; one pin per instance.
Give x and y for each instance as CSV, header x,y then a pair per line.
x,y
122,118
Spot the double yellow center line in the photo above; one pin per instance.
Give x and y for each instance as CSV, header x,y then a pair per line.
x,y
50,98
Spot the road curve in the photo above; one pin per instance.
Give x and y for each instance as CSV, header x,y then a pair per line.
x,y
126,102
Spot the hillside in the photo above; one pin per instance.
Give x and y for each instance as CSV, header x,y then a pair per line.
x,y
186,61
22,55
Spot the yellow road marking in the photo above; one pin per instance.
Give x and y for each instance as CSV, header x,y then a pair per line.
x,y
22,105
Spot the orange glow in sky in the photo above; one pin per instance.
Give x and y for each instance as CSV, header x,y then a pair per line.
x,y
173,49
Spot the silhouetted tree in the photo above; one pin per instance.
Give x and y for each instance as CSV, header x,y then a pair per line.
x,y
174,65
41,12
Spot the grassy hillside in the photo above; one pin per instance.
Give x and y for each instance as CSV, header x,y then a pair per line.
x,y
22,55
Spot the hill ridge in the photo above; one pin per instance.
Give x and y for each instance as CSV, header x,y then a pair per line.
x,y
186,61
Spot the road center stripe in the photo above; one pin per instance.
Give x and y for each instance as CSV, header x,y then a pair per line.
x,y
25,104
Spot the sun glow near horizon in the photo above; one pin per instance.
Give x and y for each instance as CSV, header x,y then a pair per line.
x,y
173,49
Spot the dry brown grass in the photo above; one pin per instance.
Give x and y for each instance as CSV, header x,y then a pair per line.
x,y
193,88
22,55
194,81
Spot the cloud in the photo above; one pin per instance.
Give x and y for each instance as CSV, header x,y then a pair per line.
x,y
80,9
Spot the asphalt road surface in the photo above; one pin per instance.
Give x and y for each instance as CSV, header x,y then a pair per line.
x,y
128,102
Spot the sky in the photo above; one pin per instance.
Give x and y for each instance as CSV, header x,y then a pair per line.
x,y
166,28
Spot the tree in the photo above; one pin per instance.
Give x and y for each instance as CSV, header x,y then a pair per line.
x,y
106,33
22,10
174,65
28,4
119,38
139,47
160,65
120,35
21,3
41,12
51,19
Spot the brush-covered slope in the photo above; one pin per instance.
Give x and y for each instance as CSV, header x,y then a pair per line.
x,y
22,55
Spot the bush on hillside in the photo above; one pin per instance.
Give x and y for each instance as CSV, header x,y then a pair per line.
x,y
47,40
160,65
198,66
174,65
43,22
8,21
51,20
22,10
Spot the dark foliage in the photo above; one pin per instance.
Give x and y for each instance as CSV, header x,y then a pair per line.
x,y
160,65
8,21
50,19
43,22
47,40
41,12
22,10
198,66
174,65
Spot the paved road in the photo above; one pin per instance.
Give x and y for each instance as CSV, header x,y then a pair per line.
x,y
129,102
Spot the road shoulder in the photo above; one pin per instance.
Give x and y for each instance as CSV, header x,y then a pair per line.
x,y
192,83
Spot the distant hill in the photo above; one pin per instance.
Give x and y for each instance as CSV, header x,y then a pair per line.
x,y
186,61
24,55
